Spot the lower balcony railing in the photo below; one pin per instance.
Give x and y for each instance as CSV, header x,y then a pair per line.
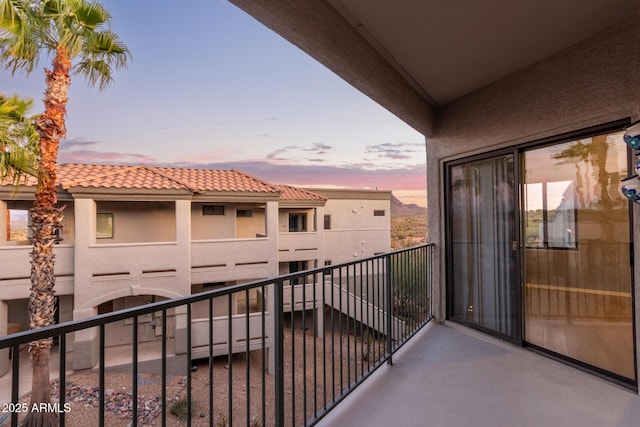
x,y
263,353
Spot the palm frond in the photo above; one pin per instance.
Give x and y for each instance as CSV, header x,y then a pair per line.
x,y
18,140
10,20
52,8
103,53
16,164
79,26
19,47
96,72
91,15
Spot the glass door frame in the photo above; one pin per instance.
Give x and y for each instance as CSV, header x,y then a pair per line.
x,y
516,151
605,128
515,238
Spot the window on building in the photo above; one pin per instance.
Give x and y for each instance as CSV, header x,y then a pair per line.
x,y
295,266
244,213
378,212
213,210
327,222
104,226
297,222
550,215
18,226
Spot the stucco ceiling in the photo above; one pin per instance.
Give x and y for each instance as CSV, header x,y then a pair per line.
x,y
446,49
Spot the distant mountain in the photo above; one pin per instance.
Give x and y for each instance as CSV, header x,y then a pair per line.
x,y
400,209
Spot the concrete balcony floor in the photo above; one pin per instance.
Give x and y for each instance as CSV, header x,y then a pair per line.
x,y
449,375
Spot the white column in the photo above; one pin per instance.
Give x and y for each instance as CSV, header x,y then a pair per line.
x,y
180,342
320,243
272,234
183,238
85,342
271,214
85,237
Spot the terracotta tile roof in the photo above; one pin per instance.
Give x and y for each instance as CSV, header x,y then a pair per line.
x,y
200,180
293,193
156,178
107,176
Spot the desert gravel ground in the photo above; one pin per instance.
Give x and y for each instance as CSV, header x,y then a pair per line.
x,y
346,354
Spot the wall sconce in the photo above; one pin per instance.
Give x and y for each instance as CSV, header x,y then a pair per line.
x,y
632,136
631,186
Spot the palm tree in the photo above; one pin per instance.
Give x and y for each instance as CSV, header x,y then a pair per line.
x,y
76,34
18,139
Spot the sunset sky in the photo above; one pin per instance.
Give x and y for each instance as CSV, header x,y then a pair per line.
x,y
211,87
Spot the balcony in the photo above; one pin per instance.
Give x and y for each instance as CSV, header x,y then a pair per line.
x,y
449,375
15,274
354,347
297,246
231,259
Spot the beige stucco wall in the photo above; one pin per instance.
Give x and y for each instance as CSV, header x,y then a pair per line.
x,y
301,246
110,271
250,227
227,226
135,222
205,227
355,232
591,83
67,223
220,307
15,261
149,325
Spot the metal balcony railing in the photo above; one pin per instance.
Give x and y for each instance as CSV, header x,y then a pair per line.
x,y
257,363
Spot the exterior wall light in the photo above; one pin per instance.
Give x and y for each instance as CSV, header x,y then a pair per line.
x,y
631,186
632,136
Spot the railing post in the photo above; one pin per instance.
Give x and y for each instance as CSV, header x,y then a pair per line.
x,y
389,305
430,284
15,382
278,323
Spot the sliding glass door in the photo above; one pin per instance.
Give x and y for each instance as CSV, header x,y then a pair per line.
x,y
539,250
577,274
483,243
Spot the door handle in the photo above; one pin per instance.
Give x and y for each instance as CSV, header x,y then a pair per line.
x,y
514,245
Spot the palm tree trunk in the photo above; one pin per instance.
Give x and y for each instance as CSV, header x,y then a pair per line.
x,y
46,222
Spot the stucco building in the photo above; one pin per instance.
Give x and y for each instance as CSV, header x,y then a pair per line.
x,y
138,234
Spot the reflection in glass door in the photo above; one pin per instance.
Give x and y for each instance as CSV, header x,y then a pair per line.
x,y
482,236
576,260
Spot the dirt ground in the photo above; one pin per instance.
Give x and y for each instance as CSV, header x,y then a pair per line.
x,y
346,355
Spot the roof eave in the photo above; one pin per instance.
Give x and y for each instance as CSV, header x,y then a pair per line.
x,y
301,203
235,196
129,193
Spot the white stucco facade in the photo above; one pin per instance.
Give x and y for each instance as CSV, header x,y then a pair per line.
x,y
165,245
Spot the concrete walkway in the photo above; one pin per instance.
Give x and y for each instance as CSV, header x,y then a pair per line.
x,y
449,375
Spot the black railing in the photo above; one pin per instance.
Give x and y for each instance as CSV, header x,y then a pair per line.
x,y
222,356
